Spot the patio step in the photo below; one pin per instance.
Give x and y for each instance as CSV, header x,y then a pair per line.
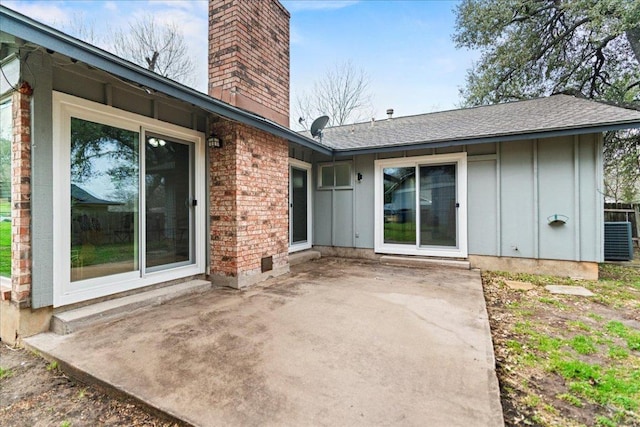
x,y
408,261
303,256
70,321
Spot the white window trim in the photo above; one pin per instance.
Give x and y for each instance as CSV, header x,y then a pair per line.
x,y
335,187
67,292
295,247
461,251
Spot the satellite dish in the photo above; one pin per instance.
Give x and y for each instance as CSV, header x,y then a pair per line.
x,y
319,124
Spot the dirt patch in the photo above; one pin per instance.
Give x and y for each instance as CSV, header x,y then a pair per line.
x,y
545,346
33,392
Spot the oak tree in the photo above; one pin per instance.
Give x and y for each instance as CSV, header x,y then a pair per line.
x,y
533,48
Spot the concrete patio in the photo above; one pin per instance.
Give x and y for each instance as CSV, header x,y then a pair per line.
x,y
335,342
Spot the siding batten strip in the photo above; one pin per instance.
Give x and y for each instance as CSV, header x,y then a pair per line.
x,y
599,196
576,195
354,206
498,199
536,197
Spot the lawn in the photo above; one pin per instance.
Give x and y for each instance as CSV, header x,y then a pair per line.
x,y
567,360
396,232
5,249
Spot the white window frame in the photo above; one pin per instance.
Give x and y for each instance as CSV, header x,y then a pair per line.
x,y
334,186
461,250
295,247
66,292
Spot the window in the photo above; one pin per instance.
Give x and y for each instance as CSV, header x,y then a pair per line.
x,y
6,130
335,175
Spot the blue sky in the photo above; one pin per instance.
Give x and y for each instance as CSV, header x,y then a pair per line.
x,y
405,47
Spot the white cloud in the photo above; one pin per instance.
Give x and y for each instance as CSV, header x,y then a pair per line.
x,y
195,6
111,6
295,36
49,13
299,5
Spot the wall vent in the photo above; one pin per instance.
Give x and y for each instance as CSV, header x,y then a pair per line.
x,y
267,264
618,245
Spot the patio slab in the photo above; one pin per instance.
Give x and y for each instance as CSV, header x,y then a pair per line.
x,y
334,342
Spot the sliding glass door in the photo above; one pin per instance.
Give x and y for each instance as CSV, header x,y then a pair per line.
x,y
420,205
106,200
125,208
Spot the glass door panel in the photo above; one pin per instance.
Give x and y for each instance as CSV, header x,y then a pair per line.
x,y
299,206
399,205
168,206
438,212
104,200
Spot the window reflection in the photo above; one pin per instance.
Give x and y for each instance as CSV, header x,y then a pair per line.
x,y
168,202
104,200
400,205
6,130
438,205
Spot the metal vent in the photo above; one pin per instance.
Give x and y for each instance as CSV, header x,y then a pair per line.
x,y
618,245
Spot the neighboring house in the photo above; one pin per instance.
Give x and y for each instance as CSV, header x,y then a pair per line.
x,y
180,185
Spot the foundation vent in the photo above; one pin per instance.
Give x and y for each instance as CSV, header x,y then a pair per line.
x,y
267,263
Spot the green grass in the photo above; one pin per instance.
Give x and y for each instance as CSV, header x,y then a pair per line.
x,y
5,249
595,353
5,373
5,208
103,254
400,232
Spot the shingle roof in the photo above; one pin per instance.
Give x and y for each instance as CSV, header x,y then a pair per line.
x,y
515,120
82,197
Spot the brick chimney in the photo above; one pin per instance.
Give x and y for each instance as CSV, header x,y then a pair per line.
x,y
249,173
249,56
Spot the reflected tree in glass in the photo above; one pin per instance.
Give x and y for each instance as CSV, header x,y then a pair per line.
x,y
399,188
104,200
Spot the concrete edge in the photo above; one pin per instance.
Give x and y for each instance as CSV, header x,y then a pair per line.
x,y
296,258
408,261
111,390
494,383
67,322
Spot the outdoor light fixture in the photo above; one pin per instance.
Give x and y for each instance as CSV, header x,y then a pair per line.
x,y
214,142
156,142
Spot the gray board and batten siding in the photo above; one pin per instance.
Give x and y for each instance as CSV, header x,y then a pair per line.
x,y
513,189
528,162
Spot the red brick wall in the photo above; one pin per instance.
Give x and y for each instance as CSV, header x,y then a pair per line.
x,y
21,197
249,211
249,56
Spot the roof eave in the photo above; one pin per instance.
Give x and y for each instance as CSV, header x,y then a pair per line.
x,y
34,32
489,139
